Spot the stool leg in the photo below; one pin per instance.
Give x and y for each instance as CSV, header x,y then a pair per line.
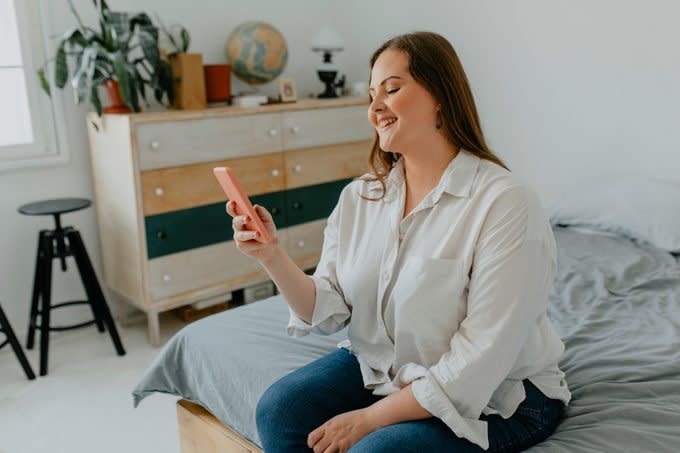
x,y
37,277
46,294
94,291
91,295
12,338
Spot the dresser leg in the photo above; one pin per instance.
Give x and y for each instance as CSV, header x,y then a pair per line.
x,y
154,328
121,311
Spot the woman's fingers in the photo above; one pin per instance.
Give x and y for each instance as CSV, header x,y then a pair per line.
x,y
239,222
245,235
263,213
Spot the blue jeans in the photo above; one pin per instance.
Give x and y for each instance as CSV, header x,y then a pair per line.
x,y
303,400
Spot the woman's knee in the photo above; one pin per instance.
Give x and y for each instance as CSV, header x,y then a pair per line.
x,y
277,403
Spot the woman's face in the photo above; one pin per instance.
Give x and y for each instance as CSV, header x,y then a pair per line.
x,y
402,111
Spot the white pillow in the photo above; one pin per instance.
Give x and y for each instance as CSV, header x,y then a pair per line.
x,y
644,210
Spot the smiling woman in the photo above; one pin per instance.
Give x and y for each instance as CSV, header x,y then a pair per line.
x,y
28,131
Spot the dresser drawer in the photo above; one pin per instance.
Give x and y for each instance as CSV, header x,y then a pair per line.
x,y
173,189
200,268
317,127
305,241
171,143
305,167
178,231
311,203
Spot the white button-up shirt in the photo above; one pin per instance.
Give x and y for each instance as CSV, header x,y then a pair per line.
x,y
451,298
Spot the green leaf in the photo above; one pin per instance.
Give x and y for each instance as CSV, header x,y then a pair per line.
x,y
141,19
186,39
74,37
149,47
122,76
60,67
43,81
94,99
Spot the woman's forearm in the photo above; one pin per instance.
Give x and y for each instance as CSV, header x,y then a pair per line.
x,y
295,286
398,407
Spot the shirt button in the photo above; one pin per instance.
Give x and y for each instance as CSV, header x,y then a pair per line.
x,y
386,276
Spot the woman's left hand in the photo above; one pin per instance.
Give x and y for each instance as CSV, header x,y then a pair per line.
x,y
341,432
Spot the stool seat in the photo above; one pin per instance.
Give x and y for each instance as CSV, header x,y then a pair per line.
x,y
55,206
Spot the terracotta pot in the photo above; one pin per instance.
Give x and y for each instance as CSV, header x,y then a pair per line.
x,y
115,100
217,82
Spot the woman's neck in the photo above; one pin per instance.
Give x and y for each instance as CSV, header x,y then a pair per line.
x,y
423,172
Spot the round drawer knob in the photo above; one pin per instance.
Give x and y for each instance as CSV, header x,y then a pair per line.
x,y
295,129
275,172
273,132
275,211
301,244
297,168
166,278
161,235
155,145
159,191
297,205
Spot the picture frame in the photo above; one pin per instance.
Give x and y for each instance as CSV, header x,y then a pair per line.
x,y
287,91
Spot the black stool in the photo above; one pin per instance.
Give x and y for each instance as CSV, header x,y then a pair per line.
x,y
6,328
61,243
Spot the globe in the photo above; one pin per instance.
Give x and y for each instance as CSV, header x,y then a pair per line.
x,y
257,52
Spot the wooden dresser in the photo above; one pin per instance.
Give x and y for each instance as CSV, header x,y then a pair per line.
x,y
166,240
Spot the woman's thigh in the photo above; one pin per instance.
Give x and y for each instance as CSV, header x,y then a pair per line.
x,y
303,400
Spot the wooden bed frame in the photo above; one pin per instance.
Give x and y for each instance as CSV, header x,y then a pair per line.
x,y
201,432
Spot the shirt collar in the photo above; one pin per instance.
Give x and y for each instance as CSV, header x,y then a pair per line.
x,y
457,178
459,175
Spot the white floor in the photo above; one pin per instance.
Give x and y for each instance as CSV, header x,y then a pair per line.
x,y
84,404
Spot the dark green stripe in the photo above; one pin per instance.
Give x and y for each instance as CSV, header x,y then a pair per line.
x,y
177,231
312,202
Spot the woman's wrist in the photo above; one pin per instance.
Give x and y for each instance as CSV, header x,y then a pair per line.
x,y
276,255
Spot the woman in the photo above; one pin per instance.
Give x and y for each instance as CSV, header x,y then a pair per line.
x,y
440,262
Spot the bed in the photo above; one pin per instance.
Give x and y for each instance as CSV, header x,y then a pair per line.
x,y
615,303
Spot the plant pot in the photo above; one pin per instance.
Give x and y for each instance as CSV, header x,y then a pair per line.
x,y
217,82
115,100
188,81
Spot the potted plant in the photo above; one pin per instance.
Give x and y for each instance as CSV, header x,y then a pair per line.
x,y
122,55
187,69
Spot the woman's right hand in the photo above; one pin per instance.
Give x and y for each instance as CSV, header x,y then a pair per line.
x,y
249,241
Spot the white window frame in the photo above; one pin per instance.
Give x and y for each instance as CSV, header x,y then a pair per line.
x,y
49,145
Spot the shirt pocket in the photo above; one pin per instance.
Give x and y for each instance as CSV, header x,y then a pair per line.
x,y
430,297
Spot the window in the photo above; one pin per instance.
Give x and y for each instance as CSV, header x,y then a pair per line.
x,y
28,124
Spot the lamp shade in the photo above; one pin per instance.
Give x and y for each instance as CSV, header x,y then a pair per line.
x,y
327,39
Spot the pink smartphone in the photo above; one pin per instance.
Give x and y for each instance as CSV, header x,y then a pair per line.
x,y
232,187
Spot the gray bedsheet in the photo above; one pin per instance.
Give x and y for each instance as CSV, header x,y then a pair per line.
x,y
616,305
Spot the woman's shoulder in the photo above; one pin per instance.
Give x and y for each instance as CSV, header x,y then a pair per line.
x,y
494,182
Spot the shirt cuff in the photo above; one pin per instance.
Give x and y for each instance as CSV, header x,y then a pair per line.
x,y
432,397
331,313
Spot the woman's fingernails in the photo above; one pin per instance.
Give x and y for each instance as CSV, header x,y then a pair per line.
x,y
248,219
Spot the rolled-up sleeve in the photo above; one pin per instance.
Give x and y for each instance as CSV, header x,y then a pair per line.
x,y
512,272
331,313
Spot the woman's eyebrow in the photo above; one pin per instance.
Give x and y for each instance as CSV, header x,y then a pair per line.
x,y
386,79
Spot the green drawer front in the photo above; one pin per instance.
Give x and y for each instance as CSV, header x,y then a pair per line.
x,y
313,202
187,229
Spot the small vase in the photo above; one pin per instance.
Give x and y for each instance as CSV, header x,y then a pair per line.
x,y
116,102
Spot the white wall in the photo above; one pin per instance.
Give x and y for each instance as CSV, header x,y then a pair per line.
x,y
565,90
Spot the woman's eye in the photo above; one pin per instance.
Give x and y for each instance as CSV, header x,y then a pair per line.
x,y
392,91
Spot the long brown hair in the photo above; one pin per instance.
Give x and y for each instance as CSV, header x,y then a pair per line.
x,y
434,64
